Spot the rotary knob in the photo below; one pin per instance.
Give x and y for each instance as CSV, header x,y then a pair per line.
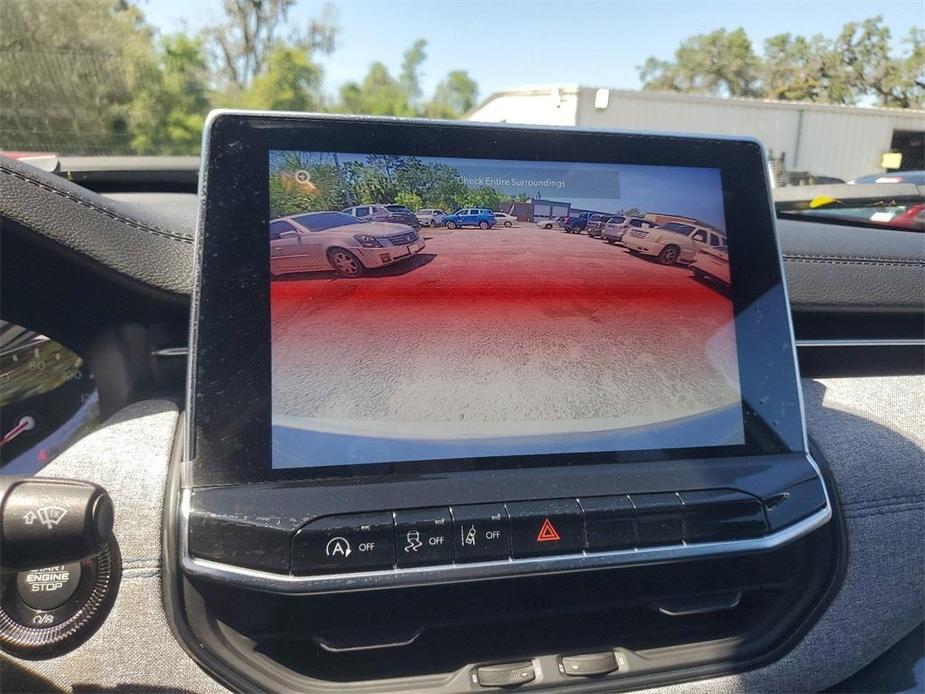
x,y
60,564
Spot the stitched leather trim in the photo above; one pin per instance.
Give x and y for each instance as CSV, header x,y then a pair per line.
x,y
149,229
852,260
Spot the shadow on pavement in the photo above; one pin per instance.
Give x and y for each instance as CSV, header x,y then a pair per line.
x,y
715,285
397,270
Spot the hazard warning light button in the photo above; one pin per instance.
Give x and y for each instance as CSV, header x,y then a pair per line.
x,y
545,527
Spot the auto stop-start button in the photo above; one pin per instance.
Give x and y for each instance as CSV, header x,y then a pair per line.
x,y
50,587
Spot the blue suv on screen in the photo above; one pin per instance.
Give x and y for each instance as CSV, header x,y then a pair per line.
x,y
575,225
470,217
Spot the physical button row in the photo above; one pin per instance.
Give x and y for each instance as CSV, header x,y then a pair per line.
x,y
492,532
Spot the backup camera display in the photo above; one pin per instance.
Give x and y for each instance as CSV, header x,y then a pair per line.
x,y
436,308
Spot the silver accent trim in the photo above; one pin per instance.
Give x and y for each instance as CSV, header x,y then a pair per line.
x,y
849,342
417,576
765,169
705,609
169,352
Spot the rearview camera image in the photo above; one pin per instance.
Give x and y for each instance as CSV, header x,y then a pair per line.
x,y
437,308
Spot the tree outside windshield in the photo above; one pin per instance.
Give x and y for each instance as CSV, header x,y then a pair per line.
x,y
112,77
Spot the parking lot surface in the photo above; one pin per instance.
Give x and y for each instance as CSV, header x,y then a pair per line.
x,y
516,324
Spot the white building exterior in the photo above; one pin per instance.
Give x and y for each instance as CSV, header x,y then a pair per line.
x,y
825,140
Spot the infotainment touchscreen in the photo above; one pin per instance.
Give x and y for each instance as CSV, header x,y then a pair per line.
x,y
429,308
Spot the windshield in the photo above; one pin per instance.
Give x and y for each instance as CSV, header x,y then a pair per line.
x,y
834,96
322,221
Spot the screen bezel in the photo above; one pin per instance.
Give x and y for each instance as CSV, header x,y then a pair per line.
x,y
230,352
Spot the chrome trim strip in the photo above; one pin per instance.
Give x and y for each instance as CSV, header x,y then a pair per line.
x,y
371,580
765,168
849,342
169,352
729,605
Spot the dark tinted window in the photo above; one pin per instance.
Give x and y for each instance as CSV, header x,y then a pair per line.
x,y
321,221
278,227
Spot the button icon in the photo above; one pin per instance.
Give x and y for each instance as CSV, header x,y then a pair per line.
x,y
337,546
545,527
481,532
50,587
413,538
49,516
423,536
547,532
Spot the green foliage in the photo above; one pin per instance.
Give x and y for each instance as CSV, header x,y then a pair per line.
x,y
287,197
854,66
483,197
114,88
720,62
70,72
290,81
382,179
170,104
379,94
454,96
411,65
410,200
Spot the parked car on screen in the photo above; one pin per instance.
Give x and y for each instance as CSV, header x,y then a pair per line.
x,y
576,224
470,217
616,228
505,219
338,241
673,242
595,226
430,218
550,222
395,214
712,263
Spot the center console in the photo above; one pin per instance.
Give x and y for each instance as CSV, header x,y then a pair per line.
x,y
477,406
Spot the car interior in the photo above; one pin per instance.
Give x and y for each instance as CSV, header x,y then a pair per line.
x,y
327,365
177,561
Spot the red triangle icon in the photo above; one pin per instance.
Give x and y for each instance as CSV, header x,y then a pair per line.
x,y
547,532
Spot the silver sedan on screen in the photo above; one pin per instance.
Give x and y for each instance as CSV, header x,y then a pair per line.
x,y
337,241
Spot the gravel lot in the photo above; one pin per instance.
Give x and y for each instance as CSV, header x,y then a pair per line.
x,y
503,325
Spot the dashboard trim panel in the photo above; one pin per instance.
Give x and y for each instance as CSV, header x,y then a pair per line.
x,y
416,576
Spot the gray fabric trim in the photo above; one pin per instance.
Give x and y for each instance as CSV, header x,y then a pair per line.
x,y
871,431
134,650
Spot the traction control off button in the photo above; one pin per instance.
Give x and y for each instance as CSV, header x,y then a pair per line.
x,y
505,674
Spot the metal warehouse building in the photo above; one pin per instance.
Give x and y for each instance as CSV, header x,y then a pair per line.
x,y
822,140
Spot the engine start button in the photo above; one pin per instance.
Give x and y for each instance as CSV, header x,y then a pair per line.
x,y
50,587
